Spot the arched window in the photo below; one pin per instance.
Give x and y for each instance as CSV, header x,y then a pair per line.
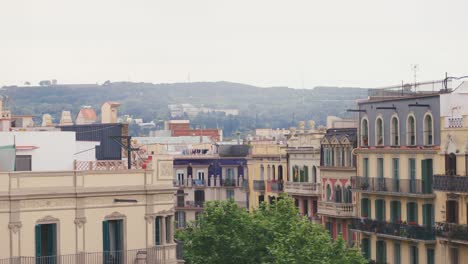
x,y
262,172
329,193
451,164
314,174
306,173
338,194
395,131
280,172
268,172
364,132
348,196
428,129
273,172
379,132
295,172
411,131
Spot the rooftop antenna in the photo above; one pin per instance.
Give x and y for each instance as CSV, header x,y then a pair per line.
x,y
415,68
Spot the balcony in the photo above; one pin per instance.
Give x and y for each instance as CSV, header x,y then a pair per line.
x,y
229,182
451,183
336,209
274,186
302,188
259,186
453,232
194,204
198,183
398,231
397,187
244,185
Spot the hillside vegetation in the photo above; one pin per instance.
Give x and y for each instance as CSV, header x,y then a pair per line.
x,y
275,107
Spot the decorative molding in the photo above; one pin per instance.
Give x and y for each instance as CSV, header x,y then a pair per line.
x,y
115,216
47,219
80,221
47,203
149,218
165,212
15,226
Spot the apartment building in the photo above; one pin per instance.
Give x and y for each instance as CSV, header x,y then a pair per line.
x,y
304,181
337,205
399,141
202,175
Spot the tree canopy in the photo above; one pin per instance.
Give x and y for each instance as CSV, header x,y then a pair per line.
x,y
274,233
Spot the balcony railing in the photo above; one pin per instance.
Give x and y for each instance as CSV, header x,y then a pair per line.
x,y
275,186
303,188
403,231
245,185
194,204
105,165
198,183
452,231
157,254
336,209
259,185
229,182
451,183
404,186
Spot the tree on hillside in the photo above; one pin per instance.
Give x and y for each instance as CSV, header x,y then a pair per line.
x,y
274,233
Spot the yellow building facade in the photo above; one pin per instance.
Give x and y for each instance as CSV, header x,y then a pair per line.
x,y
267,169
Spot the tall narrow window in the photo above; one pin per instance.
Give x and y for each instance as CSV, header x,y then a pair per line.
x,y
364,133
338,194
430,256
428,129
329,192
306,174
158,230
262,172
412,213
366,248
365,168
414,255
451,164
396,175
381,248
411,131
348,197
396,253
168,229
395,132
112,241
379,132
395,211
365,207
380,210
412,174
46,242
380,175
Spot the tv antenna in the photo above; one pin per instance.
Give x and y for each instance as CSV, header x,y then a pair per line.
x,y
415,69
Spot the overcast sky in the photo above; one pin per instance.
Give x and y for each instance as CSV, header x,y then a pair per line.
x,y
266,43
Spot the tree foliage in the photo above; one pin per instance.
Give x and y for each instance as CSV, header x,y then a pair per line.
x,y
274,233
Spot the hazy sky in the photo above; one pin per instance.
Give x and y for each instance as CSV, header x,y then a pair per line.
x,y
265,43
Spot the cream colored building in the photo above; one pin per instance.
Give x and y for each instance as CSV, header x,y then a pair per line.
x,y
451,181
267,166
109,112
83,213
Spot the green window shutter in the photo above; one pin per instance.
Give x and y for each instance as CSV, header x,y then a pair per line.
x,y
380,210
412,212
157,225
430,256
105,236
365,210
52,239
428,215
306,172
398,211
365,248
118,235
397,253
38,241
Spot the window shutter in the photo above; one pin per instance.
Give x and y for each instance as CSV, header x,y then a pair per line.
x,y
105,236
52,239
38,241
157,228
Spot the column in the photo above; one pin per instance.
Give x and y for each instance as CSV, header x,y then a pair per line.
x,y
15,229
163,230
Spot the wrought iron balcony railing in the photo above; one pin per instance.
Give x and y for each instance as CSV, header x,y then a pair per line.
x,y
303,188
259,185
198,183
401,230
450,183
401,186
275,186
452,231
229,182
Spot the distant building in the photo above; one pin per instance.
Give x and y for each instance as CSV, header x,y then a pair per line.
x,y
109,112
181,110
182,128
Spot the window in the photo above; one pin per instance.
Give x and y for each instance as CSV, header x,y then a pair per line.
x,y
305,206
381,248
380,210
365,248
414,255
454,256
295,173
180,177
365,208
411,131
112,238
412,213
428,215
180,219
180,198
412,174
451,211
379,132
340,159
329,192
229,194
262,172
451,164
339,229
332,157
380,167
364,132
396,175
395,137
46,242
268,172
426,175
338,194
430,256
201,175
314,174
428,129
158,230
395,211
348,197
23,163
168,229
306,174
273,172
396,253
199,198
365,169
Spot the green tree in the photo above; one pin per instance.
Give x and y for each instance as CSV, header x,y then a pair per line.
x,y
273,233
